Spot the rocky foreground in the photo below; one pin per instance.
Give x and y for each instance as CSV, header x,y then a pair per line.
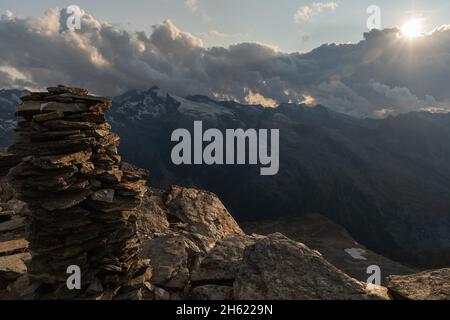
x,y
141,243
199,252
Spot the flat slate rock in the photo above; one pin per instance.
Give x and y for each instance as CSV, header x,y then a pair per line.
x,y
15,223
42,108
11,268
13,246
63,202
63,89
7,161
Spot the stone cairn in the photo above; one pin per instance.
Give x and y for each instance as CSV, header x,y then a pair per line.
x,y
82,199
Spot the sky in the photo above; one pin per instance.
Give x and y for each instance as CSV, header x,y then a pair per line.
x,y
263,52
290,25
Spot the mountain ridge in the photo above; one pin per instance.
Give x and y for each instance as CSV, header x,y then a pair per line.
x,y
384,180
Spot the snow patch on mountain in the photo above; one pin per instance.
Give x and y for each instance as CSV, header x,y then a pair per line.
x,y
155,103
202,110
356,253
136,105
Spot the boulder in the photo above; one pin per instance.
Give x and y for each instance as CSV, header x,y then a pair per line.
x,y
152,219
333,241
429,285
196,214
199,212
169,255
222,263
277,268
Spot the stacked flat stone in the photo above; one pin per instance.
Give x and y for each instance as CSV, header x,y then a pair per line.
x,y
82,198
7,161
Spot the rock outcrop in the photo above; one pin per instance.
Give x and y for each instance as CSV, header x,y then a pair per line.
x,y
82,199
429,285
277,268
221,265
202,253
332,240
183,226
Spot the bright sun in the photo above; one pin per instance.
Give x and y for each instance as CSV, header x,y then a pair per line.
x,y
412,28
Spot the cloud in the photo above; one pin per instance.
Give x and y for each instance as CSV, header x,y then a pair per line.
x,y
255,98
342,97
309,100
213,34
380,72
402,100
445,27
306,12
7,15
191,4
